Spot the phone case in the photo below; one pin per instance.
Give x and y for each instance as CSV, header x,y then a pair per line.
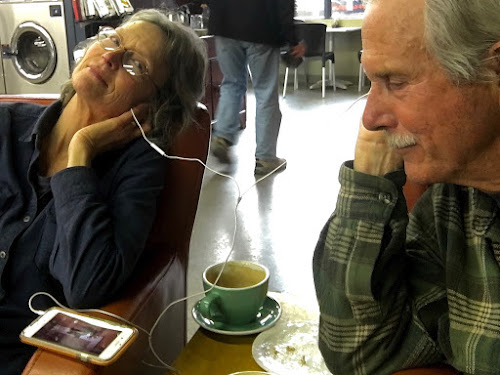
x,y
80,355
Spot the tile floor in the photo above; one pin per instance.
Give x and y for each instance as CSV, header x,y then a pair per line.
x,y
278,220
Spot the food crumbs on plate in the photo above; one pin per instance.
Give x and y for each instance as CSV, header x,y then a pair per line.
x,y
303,361
290,349
275,353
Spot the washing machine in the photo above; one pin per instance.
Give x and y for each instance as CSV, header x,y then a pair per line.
x,y
34,56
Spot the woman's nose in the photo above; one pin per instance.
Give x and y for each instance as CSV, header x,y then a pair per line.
x,y
378,113
113,58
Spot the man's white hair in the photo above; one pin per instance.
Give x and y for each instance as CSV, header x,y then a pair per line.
x,y
459,34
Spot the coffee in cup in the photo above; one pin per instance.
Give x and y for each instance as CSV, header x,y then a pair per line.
x,y
239,293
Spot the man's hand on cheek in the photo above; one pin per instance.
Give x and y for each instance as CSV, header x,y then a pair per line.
x,y
373,155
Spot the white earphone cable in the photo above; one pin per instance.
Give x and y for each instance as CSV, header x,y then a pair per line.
x,y
155,325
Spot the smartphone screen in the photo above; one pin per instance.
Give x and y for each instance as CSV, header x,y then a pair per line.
x,y
76,334
80,336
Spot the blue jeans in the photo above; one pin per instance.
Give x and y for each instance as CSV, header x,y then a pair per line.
x,y
263,61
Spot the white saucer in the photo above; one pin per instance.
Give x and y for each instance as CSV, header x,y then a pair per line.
x,y
266,318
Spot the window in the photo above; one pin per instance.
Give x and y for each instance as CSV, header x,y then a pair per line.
x,y
348,7
325,8
310,8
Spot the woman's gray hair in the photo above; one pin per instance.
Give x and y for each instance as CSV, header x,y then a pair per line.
x,y
175,104
459,34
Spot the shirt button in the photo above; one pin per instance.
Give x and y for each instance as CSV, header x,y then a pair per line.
x,y
385,197
26,218
3,254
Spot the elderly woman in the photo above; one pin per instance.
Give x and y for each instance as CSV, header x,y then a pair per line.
x,y
78,186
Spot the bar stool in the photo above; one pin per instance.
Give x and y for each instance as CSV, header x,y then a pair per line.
x,y
313,35
290,62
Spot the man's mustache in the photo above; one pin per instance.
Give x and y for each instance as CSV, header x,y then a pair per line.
x,y
400,141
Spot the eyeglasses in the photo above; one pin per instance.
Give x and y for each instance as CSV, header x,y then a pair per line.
x,y
132,62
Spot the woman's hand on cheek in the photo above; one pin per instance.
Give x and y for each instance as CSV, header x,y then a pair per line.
x,y
106,135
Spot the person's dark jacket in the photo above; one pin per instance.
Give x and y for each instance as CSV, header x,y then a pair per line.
x,y
78,240
258,21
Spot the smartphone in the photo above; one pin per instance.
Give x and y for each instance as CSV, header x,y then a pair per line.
x,y
80,336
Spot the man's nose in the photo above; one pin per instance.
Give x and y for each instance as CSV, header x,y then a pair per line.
x,y
378,113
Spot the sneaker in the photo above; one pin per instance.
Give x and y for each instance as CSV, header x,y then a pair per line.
x,y
266,166
220,149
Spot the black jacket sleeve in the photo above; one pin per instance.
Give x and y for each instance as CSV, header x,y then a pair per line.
x,y
286,13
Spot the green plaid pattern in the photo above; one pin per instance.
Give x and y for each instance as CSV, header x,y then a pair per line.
x,y
398,291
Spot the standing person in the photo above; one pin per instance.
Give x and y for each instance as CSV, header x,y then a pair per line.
x,y
250,33
395,290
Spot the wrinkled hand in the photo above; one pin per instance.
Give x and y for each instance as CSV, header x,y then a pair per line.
x,y
298,50
373,155
106,135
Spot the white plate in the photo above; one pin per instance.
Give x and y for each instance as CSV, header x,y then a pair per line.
x,y
290,350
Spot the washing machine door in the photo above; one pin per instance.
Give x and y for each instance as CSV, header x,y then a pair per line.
x,y
33,52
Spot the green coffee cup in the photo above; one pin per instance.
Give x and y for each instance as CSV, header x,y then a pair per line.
x,y
239,294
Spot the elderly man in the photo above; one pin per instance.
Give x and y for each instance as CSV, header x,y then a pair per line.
x,y
395,290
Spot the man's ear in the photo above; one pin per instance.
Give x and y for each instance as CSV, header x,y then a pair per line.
x,y
494,58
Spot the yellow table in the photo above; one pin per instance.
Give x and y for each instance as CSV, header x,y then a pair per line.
x,y
209,353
